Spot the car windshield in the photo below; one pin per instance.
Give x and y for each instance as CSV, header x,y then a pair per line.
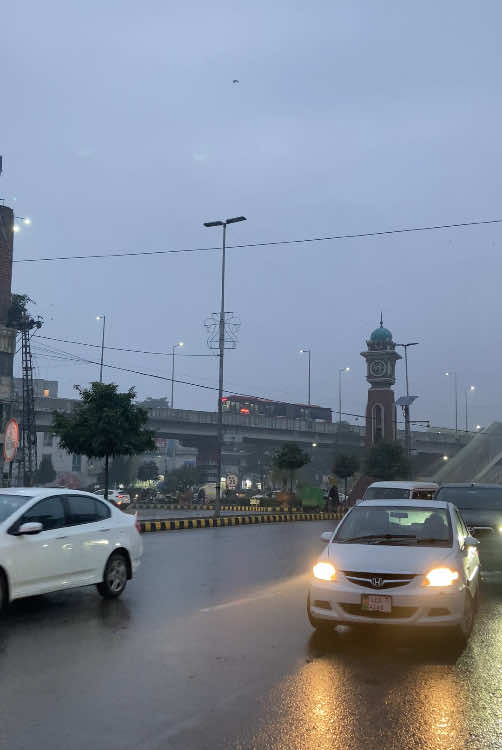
x,y
396,525
472,498
10,503
386,493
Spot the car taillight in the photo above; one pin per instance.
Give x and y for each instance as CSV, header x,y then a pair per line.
x,y
138,525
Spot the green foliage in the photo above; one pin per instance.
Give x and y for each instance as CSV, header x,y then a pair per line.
x,y
182,479
121,470
104,423
148,470
345,466
387,461
289,459
46,472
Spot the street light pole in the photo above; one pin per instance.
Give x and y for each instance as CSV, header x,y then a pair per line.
x,y
340,372
103,318
219,448
455,385
407,424
175,346
467,390
307,351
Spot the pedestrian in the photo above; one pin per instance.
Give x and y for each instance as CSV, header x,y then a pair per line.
x,y
333,497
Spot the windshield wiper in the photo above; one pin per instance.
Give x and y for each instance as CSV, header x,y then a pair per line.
x,y
377,537
430,539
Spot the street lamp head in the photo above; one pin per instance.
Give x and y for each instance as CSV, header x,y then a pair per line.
x,y
478,426
314,445
472,387
445,458
26,220
347,369
213,223
100,317
180,343
235,219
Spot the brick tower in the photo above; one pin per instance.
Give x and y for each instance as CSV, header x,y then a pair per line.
x,y
381,358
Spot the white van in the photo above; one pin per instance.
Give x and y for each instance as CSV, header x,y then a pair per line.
x,y
401,491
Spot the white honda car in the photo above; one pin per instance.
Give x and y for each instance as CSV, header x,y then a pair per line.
x,y
52,539
397,562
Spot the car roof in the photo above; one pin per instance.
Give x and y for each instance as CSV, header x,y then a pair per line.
x,y
471,484
404,485
41,491
404,503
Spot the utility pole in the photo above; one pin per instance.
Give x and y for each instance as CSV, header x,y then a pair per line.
x,y
175,346
103,318
406,404
221,347
309,352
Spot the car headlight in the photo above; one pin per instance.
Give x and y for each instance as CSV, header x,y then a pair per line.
x,y
324,571
500,529
441,577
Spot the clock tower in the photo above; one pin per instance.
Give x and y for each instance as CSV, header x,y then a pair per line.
x,y
381,358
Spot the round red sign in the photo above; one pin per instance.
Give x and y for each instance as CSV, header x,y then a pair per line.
x,y
10,440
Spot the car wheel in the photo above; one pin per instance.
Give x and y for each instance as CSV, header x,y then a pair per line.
x,y
115,576
322,625
4,599
464,629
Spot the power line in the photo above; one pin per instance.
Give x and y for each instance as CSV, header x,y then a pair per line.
x,y
122,349
358,235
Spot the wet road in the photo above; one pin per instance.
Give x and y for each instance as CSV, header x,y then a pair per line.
x,y
210,648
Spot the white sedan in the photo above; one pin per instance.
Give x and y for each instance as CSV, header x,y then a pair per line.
x,y
52,539
397,562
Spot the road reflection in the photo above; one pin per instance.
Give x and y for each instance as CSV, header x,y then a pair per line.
x,y
363,689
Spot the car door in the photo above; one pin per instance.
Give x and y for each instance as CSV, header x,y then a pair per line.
x,y
89,526
40,562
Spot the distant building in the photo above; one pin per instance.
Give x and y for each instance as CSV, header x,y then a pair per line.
x,y
42,388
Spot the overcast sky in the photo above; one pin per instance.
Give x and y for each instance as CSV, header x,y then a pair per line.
x,y
121,129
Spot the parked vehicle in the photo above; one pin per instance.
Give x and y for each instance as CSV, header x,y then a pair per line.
x,y
397,562
118,497
52,539
401,491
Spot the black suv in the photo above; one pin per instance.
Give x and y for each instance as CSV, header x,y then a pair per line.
x,y
481,509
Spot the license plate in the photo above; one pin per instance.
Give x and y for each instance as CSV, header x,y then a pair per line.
x,y
376,603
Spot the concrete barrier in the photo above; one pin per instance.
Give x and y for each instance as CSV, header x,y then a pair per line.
x,y
178,524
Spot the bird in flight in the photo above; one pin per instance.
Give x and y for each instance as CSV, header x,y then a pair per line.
x,y
235,80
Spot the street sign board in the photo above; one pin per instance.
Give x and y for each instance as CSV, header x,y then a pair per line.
x,y
10,440
232,481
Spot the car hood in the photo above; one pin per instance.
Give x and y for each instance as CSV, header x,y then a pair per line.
x,y
379,558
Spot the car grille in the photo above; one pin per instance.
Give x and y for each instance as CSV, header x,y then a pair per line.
x,y
378,580
396,614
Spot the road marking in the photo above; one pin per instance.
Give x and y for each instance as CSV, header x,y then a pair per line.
x,y
238,602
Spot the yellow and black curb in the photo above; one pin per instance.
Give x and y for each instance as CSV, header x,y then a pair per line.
x,y
166,506
177,524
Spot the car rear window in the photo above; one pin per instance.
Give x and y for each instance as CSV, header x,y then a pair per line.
x,y
386,493
10,503
472,498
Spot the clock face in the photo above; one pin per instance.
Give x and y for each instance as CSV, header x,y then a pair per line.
x,y
377,368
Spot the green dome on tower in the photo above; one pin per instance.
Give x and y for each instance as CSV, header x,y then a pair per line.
x,y
381,334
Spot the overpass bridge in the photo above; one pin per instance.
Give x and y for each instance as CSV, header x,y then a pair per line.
x,y
199,429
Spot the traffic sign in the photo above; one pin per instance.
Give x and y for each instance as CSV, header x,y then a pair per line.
x,y
10,440
232,481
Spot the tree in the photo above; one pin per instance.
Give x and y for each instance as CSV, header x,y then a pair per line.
x,y
104,423
46,472
181,480
345,467
387,460
121,471
289,458
148,470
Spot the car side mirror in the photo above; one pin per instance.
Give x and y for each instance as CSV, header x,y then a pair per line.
x,y
30,528
471,541
326,536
